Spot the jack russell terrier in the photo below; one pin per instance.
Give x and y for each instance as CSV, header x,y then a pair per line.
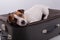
x,y
33,14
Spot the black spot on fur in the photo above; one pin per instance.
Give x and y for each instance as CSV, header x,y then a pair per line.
x,y
43,17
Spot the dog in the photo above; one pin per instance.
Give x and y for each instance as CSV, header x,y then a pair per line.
x,y
17,18
36,13
31,15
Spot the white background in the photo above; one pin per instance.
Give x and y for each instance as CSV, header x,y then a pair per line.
x,y
7,6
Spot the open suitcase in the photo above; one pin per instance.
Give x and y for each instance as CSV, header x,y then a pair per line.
x,y
40,30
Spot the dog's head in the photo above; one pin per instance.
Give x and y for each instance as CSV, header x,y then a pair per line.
x,y
17,17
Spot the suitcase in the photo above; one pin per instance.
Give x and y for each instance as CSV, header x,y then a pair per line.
x,y
40,30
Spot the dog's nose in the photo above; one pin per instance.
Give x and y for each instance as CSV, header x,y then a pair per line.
x,y
22,22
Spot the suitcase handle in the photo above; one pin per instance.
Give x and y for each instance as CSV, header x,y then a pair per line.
x,y
44,31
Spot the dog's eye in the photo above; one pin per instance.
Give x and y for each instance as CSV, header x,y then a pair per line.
x,y
15,20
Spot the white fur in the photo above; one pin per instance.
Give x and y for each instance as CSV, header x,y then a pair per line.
x,y
35,13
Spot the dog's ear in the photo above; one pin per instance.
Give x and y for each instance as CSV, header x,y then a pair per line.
x,y
21,10
10,17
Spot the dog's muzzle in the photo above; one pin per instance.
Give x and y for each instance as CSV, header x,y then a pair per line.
x,y
21,21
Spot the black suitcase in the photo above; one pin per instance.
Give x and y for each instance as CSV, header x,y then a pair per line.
x,y
40,30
